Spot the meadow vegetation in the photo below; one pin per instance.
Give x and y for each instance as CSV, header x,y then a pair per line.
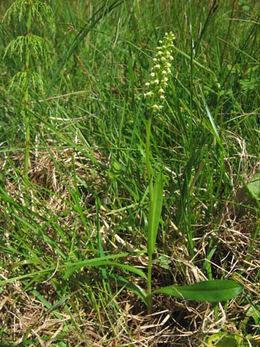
x,y
129,171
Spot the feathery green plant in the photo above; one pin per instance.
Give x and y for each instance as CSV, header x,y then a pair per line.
x,y
30,53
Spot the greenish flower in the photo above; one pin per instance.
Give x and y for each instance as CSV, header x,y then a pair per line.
x,y
160,71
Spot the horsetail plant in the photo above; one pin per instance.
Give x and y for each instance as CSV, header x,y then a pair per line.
x,y
30,52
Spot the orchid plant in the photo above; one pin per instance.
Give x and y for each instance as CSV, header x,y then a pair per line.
x,y
209,291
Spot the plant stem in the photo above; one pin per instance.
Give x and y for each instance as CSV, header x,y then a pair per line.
x,y
149,283
150,182
25,104
27,148
148,153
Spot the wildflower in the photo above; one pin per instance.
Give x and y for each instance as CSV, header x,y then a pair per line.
x,y
156,107
148,94
159,74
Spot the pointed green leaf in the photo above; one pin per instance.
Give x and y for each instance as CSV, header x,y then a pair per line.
x,y
70,268
103,261
155,212
211,291
135,288
130,268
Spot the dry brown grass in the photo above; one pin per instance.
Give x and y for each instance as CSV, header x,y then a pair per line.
x,y
124,322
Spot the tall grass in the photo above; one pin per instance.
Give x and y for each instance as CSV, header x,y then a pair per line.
x,y
87,178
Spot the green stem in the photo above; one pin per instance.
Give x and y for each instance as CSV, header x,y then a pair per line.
x,y
148,157
27,148
25,104
148,154
149,283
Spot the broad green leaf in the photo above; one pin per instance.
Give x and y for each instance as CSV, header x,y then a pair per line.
x,y
155,210
211,291
224,340
254,187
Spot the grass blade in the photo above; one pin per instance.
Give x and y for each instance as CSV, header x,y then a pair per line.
x,y
103,261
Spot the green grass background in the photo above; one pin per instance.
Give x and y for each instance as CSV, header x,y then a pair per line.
x,y
88,190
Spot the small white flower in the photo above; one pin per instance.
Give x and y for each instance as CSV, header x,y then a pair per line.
x,y
161,91
148,94
164,84
156,107
159,74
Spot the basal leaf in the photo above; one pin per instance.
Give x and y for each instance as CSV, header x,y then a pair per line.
x,y
211,291
222,339
254,187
